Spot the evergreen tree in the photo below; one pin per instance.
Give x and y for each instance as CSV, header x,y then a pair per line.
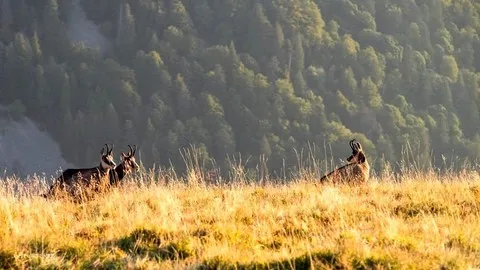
x,y
258,77
184,100
36,49
179,16
126,33
54,39
111,125
152,75
6,21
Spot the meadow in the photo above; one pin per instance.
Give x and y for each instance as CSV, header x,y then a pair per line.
x,y
418,220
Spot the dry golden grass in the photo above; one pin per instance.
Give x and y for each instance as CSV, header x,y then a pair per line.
x,y
423,222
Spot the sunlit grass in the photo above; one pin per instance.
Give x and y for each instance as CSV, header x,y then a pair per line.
x,y
424,221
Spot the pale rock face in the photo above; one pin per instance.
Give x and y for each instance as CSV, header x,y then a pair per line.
x,y
26,151
82,30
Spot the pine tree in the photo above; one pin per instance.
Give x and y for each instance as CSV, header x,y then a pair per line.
x,y
149,153
184,100
180,17
54,39
111,128
371,95
36,49
129,135
6,21
126,34
298,55
449,67
152,75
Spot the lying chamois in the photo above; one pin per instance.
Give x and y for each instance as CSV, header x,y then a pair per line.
x,y
127,165
75,181
356,171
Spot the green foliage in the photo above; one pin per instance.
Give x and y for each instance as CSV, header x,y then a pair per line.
x,y
449,67
126,33
255,77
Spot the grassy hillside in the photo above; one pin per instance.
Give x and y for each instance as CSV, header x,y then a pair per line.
x,y
423,222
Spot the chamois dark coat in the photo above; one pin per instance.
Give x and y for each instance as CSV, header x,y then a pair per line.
x,y
76,182
127,165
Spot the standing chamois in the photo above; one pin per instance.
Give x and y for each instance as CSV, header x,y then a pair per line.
x,y
127,165
76,181
356,171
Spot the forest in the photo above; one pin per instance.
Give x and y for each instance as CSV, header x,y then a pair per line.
x,y
261,79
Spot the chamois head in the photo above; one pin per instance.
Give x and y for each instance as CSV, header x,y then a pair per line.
x,y
128,160
356,171
107,162
357,153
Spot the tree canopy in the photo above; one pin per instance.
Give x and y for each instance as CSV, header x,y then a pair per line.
x,y
250,77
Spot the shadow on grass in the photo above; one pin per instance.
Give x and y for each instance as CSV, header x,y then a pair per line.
x,y
109,264
321,260
375,263
410,209
145,242
7,260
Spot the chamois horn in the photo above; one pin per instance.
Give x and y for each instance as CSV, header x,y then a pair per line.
x,y
103,149
353,144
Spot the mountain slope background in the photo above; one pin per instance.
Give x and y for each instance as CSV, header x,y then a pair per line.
x,y
260,78
25,150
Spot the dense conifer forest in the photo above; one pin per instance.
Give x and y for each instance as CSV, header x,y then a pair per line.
x,y
260,78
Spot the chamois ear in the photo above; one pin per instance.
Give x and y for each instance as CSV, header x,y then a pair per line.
x,y
103,150
131,150
361,157
111,149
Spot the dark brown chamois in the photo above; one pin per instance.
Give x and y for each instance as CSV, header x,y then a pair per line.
x,y
74,181
356,171
127,165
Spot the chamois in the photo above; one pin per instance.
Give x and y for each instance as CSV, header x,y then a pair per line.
x,y
74,180
356,171
127,165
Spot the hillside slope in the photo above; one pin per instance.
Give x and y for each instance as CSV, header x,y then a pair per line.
x,y
25,150
252,77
